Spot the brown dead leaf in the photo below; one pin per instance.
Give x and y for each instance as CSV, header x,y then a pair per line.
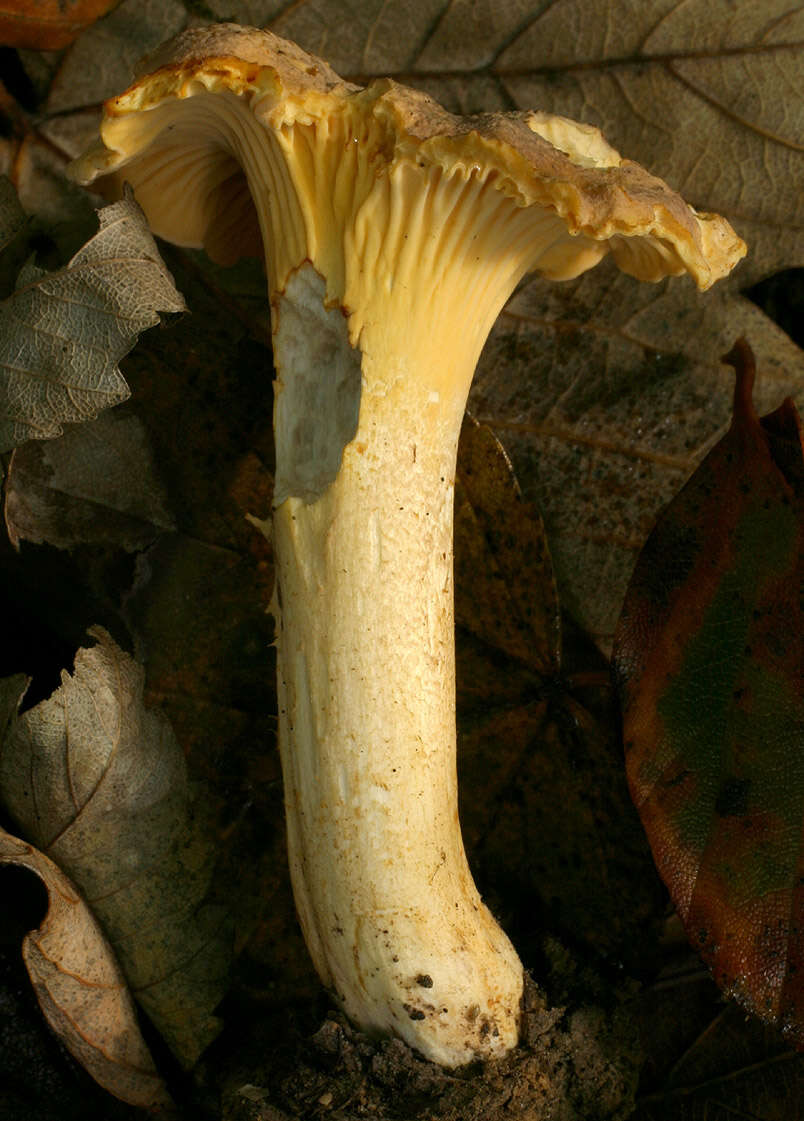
x,y
706,1062
708,659
198,615
197,610
548,823
47,25
707,95
545,811
12,216
37,171
80,987
505,593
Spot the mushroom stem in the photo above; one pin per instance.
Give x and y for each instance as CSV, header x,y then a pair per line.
x,y
390,913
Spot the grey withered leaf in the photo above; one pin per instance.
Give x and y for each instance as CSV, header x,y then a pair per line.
x,y
62,333
99,784
79,985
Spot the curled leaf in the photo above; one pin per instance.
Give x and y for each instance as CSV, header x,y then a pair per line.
x,y
62,333
99,784
710,657
80,987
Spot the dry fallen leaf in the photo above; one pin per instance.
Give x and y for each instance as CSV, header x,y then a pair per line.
x,y
505,592
607,394
706,95
80,987
545,813
705,1062
12,216
96,484
99,784
63,333
66,217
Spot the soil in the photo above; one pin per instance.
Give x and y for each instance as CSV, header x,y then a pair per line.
x,y
580,1062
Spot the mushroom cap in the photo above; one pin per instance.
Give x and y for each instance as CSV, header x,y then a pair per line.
x,y
195,197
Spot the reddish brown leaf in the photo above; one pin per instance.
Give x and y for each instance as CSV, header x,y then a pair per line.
x,y
47,25
710,661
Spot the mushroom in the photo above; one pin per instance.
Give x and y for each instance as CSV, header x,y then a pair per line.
x,y
393,234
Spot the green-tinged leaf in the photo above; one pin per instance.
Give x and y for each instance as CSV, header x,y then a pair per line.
x,y
12,216
710,658
504,587
99,784
63,333
80,987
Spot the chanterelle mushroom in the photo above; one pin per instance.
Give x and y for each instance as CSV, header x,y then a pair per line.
x,y
393,234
